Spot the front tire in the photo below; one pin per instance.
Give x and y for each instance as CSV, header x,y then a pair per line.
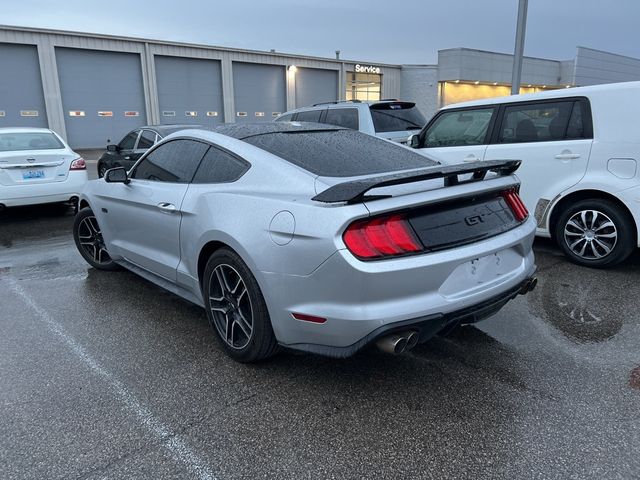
x,y
236,308
595,233
89,241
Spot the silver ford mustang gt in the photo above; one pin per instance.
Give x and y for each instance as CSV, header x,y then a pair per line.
x,y
313,237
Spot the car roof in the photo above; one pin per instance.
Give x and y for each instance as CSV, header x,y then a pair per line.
x,y
24,129
558,93
166,129
245,130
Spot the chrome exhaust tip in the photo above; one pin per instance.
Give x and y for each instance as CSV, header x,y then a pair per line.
x,y
412,340
394,343
528,286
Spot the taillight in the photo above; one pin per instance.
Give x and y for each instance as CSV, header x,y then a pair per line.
x,y
381,237
515,203
78,164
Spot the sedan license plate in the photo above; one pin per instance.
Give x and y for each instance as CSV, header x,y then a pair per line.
x,y
31,174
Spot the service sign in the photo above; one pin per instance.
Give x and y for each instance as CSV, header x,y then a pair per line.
x,y
367,69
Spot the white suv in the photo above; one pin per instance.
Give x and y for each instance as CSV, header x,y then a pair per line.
x,y
389,119
579,149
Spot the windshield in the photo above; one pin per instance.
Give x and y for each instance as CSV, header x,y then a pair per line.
x,y
397,116
29,141
339,153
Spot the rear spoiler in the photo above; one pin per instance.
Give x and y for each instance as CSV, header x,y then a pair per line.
x,y
354,191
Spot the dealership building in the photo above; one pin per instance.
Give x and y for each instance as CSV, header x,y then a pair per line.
x,y
94,88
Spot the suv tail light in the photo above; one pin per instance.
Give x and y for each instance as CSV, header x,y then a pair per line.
x,y
78,164
381,237
515,203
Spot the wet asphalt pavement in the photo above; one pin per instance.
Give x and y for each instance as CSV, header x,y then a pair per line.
x,y
103,375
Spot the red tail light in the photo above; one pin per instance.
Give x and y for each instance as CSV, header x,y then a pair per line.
x,y
515,203
381,237
78,164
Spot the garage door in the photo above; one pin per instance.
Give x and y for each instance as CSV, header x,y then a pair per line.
x,y
102,95
189,90
314,86
21,97
259,91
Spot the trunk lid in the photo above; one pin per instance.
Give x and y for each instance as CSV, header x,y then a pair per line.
x,y
34,166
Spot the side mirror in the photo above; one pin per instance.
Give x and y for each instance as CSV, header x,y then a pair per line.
x,y
414,140
116,175
112,147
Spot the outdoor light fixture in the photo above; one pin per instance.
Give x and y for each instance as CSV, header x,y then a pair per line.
x,y
457,81
477,82
529,86
293,69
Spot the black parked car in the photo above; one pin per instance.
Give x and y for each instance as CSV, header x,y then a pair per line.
x,y
134,144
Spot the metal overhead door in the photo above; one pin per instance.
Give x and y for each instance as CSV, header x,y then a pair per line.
x,y
102,95
21,96
259,91
315,85
189,90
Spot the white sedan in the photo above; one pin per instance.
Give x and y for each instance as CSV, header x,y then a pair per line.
x,y
37,166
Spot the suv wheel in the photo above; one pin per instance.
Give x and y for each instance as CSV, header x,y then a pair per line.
x,y
236,308
595,233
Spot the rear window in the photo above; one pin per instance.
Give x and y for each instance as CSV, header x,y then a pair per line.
x,y
394,117
339,153
29,141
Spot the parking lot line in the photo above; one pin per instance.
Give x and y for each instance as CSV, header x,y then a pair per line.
x,y
180,451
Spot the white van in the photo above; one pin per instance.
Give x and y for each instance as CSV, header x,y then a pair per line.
x,y
579,149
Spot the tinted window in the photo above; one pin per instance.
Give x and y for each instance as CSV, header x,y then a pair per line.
x,y
128,142
29,141
466,127
174,161
576,128
343,117
339,153
310,116
538,122
394,117
285,118
147,139
218,166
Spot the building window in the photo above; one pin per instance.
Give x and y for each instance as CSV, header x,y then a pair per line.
x,y
363,86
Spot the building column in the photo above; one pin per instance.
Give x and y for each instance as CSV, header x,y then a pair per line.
x,y
228,99
291,87
150,86
51,87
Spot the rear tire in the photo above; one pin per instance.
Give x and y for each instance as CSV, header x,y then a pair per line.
x,y
595,233
236,308
89,241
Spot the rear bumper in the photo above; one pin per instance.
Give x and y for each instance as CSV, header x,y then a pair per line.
x,y
362,299
427,326
53,192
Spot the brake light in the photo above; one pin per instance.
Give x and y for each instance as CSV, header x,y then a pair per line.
x,y
515,203
78,164
381,237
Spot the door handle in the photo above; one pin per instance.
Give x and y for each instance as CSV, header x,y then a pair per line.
x,y
167,207
567,156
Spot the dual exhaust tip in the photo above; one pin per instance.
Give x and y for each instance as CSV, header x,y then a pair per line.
x,y
400,342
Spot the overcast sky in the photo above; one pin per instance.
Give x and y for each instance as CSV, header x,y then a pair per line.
x,y
410,31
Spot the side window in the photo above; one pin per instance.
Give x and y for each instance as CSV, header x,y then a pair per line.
x,y
146,140
175,161
539,122
342,117
309,116
128,142
218,166
457,128
285,118
577,127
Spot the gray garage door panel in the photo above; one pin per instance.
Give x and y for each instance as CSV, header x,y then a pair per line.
x,y
315,85
258,89
187,86
21,96
94,81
